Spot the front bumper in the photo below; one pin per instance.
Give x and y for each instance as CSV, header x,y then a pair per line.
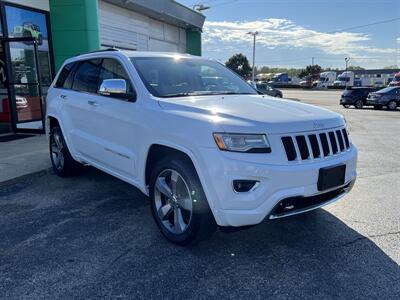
x,y
276,184
346,101
375,102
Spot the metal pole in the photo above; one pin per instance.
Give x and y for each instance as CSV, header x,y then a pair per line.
x,y
254,56
347,61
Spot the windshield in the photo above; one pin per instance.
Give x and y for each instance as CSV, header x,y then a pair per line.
x,y
343,78
179,77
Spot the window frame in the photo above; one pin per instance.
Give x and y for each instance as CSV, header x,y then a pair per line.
x,y
78,63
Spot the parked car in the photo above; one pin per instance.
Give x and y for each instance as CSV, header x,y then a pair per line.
x,y
28,29
356,97
389,97
269,90
205,157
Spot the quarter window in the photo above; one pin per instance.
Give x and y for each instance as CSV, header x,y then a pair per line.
x,y
64,80
87,76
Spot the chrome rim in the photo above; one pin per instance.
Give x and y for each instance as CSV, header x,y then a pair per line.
x,y
392,105
57,153
173,201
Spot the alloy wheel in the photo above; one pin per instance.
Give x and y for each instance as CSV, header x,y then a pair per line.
x,y
392,105
57,151
173,201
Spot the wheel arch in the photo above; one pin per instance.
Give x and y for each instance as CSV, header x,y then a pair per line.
x,y
157,151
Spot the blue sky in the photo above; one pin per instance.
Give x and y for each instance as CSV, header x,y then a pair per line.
x,y
294,31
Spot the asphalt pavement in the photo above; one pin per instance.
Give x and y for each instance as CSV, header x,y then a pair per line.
x,y
93,236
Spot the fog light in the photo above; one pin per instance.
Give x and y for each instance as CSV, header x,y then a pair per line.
x,y
242,186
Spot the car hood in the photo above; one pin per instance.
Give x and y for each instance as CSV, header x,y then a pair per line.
x,y
252,113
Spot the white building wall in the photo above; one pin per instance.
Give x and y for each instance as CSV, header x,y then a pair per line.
x,y
126,29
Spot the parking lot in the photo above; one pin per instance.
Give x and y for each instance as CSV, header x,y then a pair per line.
x,y
93,236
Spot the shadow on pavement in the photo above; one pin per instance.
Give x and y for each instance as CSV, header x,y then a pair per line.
x,y
93,236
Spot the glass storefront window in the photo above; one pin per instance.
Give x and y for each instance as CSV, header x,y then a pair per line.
x,y
26,23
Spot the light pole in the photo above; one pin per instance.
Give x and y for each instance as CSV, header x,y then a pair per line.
x,y
254,34
346,59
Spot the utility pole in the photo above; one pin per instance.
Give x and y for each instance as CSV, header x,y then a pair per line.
x,y
346,59
312,60
254,34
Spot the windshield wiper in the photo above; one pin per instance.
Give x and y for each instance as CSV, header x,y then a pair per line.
x,y
183,94
205,93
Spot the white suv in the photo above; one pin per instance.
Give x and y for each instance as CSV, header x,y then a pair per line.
x,y
198,140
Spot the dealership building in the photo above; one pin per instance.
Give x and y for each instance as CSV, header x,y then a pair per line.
x,y
38,35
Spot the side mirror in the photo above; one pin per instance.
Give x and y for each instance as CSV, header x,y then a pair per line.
x,y
114,88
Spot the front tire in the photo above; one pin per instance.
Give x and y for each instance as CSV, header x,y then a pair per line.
x,y
178,203
63,163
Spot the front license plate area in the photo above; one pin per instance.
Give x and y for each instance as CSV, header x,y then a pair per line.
x,y
331,177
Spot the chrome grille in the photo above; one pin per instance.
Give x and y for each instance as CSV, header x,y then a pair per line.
x,y
315,145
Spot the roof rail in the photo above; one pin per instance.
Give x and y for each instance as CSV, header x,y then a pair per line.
x,y
101,50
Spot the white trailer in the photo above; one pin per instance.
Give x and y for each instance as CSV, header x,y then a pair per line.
x,y
346,79
325,79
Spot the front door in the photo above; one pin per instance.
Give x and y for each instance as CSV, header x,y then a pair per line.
x,y
24,84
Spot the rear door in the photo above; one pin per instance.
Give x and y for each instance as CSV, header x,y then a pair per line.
x,y
78,90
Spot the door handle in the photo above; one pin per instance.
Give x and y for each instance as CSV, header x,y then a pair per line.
x,y
63,97
92,103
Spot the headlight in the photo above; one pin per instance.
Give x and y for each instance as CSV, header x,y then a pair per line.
x,y
235,142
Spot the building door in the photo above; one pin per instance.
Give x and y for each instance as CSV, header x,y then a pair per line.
x,y
5,112
24,84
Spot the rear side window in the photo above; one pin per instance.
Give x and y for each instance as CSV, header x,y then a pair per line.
x,y
112,69
62,80
87,76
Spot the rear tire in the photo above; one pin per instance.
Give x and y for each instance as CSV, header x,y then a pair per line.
x,y
359,104
392,105
63,163
178,203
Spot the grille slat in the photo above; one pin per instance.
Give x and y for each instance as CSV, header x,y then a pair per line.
x,y
289,148
346,138
316,145
325,144
340,139
334,145
303,148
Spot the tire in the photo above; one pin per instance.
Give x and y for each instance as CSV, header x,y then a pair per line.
x,y
181,222
391,105
61,160
377,107
346,105
359,104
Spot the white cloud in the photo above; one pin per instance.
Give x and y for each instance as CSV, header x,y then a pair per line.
x,y
283,33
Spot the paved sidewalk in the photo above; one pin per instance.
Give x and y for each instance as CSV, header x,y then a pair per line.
x,y
24,156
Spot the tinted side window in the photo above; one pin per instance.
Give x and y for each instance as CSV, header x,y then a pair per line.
x,y
64,74
112,69
87,76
